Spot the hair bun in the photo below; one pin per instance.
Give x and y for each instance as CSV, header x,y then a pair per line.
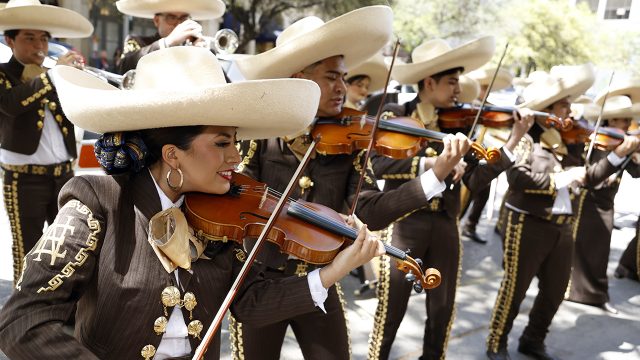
x,y
121,152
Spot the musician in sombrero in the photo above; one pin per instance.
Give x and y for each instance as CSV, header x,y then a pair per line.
x,y
37,141
121,249
322,52
175,21
540,207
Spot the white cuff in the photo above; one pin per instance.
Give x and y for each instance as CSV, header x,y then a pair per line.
x,y
318,292
509,154
614,159
431,185
421,165
562,179
163,43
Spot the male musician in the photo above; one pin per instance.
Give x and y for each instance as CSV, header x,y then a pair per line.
x,y
479,198
322,52
538,234
589,284
174,20
37,141
432,231
628,265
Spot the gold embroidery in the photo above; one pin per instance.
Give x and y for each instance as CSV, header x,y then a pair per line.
x,y
130,46
453,311
343,305
52,241
13,211
512,236
358,167
253,146
40,93
82,255
301,269
236,339
375,339
413,172
551,190
240,255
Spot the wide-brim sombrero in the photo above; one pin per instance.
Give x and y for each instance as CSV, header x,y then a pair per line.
x,y
562,82
32,15
197,9
191,91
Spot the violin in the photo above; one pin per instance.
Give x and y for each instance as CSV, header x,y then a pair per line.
x,y
308,231
607,139
578,134
463,115
397,138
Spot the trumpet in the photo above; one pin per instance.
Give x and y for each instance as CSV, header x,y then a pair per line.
x,y
106,76
224,42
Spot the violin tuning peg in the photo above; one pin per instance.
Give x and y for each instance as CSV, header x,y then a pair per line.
x,y
408,251
417,288
410,277
419,262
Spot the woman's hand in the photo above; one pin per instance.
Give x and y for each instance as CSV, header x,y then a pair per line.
x,y
364,248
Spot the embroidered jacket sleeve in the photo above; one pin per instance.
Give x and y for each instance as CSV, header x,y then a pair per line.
x,y
478,176
56,273
134,49
250,164
378,209
17,99
262,301
524,177
600,170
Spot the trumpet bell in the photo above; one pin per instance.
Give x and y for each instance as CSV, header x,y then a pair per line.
x,y
225,42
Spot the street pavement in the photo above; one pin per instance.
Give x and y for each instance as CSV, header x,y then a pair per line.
x,y
578,331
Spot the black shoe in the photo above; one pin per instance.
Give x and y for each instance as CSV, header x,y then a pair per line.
x,y
536,351
608,308
623,272
502,354
471,234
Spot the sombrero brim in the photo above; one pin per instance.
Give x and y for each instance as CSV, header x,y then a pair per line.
x,y
58,21
376,71
567,87
198,9
469,89
633,92
469,56
483,77
357,35
592,112
259,109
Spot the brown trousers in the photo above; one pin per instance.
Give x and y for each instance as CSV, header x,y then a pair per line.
x,y
589,283
439,247
479,199
320,336
30,201
532,247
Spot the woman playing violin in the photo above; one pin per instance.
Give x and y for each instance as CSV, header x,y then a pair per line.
x,y
110,253
363,80
330,180
589,284
432,232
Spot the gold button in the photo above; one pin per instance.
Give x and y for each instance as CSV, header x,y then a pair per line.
x,y
148,351
65,131
170,296
40,124
59,118
53,106
195,328
160,325
305,182
41,112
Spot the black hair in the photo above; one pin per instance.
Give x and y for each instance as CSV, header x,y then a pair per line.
x,y
11,34
440,75
180,136
355,78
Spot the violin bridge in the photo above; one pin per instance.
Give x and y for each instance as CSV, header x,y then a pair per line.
x,y
363,122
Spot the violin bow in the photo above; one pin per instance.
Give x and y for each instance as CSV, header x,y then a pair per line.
x,y
217,320
598,122
486,94
374,131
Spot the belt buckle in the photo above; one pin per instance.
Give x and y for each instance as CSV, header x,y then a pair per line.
x,y
301,269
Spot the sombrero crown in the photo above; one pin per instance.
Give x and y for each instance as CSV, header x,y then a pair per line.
x,y
375,68
31,14
184,86
198,9
435,56
560,83
617,106
357,36
485,74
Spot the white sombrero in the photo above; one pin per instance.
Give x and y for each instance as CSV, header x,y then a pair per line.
x,y
533,77
469,89
561,82
357,35
435,56
617,106
183,86
375,68
57,21
198,9
626,86
484,75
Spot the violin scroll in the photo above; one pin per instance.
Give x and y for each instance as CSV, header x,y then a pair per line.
x,y
560,124
491,155
429,279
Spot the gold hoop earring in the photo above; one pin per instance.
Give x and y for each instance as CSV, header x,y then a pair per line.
x,y
175,187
